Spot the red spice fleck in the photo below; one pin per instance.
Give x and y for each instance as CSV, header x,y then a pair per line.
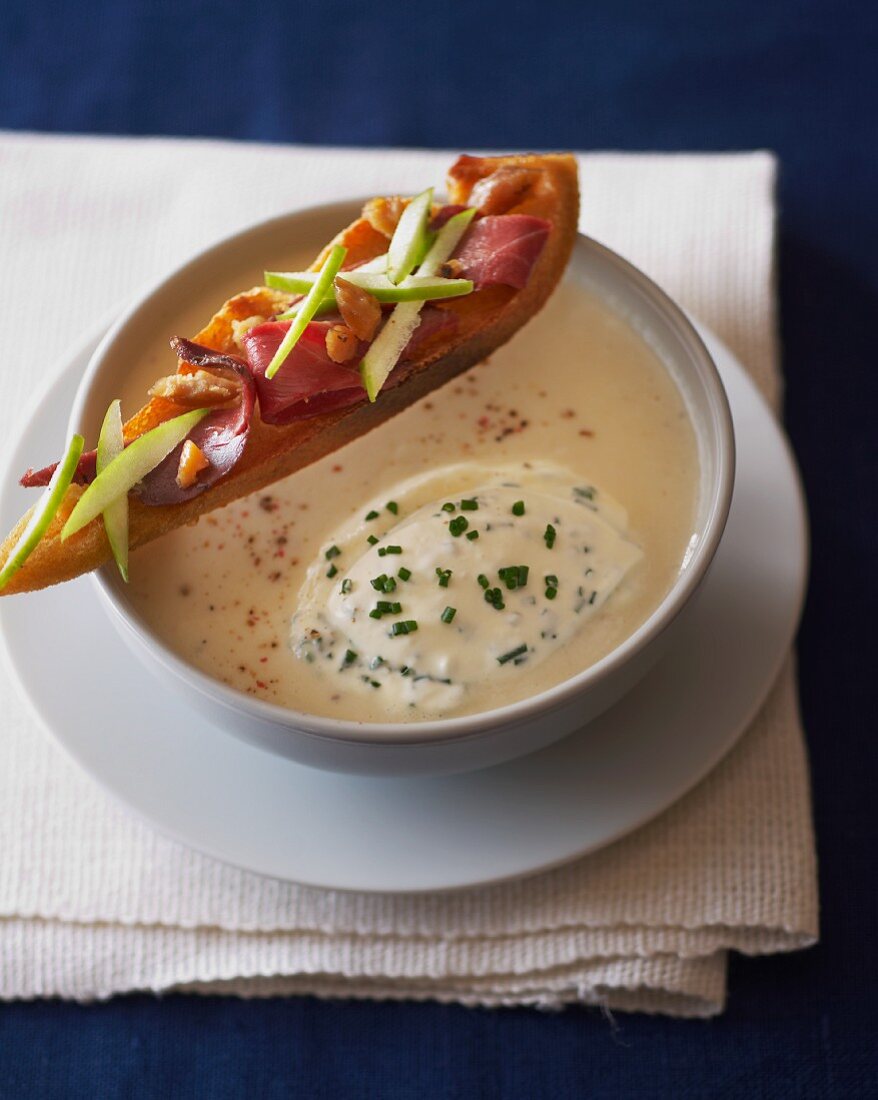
x,y
586,432
261,684
337,469
263,660
268,504
568,414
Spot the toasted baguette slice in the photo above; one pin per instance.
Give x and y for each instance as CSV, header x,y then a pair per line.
x,y
486,319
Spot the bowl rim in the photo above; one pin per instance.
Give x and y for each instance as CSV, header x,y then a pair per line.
x,y
461,727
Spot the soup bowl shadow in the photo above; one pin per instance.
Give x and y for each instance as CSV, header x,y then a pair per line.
x,y
446,745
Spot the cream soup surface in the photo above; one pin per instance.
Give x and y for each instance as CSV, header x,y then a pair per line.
x,y
576,419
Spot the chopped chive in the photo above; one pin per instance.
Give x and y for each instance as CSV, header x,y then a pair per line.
x,y
448,614
372,515
408,626
448,506
518,508
472,535
331,553
392,506
332,570
509,575
552,581
404,574
349,657
395,608
549,535
551,592
371,540
514,576
494,597
378,582
346,585
375,613
384,550
519,651
471,505
592,597
406,671
458,525
376,662
483,580
444,576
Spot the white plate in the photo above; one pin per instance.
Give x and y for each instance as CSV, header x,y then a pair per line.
x,y
239,804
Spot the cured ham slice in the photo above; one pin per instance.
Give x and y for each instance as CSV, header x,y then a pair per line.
x,y
221,436
86,471
309,383
501,249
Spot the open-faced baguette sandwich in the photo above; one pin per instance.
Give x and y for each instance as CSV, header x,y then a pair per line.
x,y
408,296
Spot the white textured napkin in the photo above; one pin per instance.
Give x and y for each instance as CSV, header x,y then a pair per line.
x,y
94,903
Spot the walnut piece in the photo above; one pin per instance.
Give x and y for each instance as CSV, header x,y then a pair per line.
x,y
503,189
199,390
192,462
341,344
384,214
451,269
360,311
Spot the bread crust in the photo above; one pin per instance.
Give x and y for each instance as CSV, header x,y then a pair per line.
x,y
486,320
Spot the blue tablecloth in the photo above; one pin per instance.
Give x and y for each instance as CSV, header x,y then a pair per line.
x,y
797,77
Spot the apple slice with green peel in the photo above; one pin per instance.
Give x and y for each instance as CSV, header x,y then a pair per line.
x,y
411,238
388,345
308,307
44,510
126,469
110,445
414,288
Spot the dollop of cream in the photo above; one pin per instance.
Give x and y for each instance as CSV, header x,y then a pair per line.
x,y
440,583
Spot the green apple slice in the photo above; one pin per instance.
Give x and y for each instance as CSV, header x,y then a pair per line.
x,y
44,510
126,469
413,288
388,345
111,444
308,307
411,238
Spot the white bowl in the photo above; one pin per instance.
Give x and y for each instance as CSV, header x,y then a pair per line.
x,y
451,744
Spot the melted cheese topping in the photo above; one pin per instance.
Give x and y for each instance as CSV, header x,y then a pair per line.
x,y
471,574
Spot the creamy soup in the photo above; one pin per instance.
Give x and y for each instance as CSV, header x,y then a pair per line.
x,y
496,538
